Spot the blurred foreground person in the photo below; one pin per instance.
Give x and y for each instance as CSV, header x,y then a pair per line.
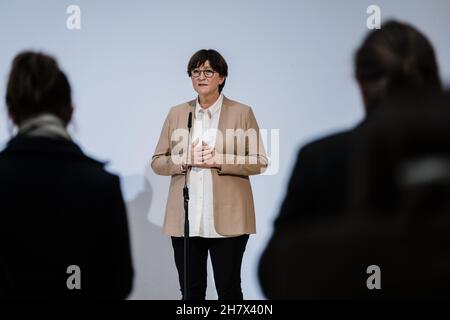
x,y
63,229
314,250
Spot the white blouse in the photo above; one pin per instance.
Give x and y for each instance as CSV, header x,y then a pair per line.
x,y
201,211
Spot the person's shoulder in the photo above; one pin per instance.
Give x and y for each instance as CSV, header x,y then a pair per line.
x,y
179,108
331,139
332,142
95,172
236,109
58,149
239,106
111,179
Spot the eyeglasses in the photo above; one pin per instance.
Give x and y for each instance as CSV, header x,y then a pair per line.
x,y
208,73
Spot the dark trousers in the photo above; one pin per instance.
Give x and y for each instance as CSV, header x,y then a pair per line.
x,y
226,257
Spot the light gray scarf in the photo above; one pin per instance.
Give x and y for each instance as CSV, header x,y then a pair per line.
x,y
44,125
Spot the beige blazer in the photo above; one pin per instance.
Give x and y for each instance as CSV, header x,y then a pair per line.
x,y
234,212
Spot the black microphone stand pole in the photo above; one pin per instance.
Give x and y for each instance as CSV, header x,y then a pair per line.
x,y
186,215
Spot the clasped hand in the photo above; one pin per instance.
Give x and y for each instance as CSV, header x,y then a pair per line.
x,y
202,155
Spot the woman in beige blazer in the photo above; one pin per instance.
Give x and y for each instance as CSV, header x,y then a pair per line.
x,y
226,149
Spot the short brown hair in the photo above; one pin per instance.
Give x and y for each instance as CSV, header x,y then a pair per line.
x,y
396,58
36,85
215,59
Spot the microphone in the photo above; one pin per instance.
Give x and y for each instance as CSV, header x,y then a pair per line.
x,y
186,216
189,125
190,121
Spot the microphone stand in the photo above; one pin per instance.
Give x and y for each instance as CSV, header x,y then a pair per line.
x,y
186,215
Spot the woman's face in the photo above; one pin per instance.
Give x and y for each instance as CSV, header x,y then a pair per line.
x,y
205,80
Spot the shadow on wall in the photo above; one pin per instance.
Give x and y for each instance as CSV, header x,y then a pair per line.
x,y
156,276
155,273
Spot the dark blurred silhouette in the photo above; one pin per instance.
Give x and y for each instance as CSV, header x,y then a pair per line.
x,y
324,237
58,207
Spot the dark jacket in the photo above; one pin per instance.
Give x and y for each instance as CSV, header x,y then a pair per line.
x,y
59,208
317,191
374,197
318,185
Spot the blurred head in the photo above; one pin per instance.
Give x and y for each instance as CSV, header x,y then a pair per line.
x,y
396,59
36,85
208,71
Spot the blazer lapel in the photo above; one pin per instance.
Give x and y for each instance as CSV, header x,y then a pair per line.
x,y
222,126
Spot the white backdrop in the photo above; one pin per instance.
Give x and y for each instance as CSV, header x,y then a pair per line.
x,y
290,60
